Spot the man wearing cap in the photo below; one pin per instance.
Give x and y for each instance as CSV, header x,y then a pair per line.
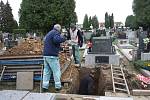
x,y
76,38
52,42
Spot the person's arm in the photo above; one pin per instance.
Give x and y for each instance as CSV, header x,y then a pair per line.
x,y
80,37
58,39
68,35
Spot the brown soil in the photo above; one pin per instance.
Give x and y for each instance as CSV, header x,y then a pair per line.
x,y
105,80
130,74
28,47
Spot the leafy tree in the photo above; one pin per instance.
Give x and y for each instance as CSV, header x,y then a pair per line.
x,y
70,15
37,15
7,21
86,22
15,26
131,22
95,22
141,9
107,21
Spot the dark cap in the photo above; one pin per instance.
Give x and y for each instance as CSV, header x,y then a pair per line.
x,y
72,26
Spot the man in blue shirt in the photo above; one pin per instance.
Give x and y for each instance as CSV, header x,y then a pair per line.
x,y
52,42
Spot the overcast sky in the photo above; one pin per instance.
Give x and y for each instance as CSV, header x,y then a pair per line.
x,y
120,8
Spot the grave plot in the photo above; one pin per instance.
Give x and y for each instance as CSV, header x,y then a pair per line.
x,y
27,57
137,83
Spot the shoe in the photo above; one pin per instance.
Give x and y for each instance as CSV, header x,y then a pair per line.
x,y
58,90
77,65
44,90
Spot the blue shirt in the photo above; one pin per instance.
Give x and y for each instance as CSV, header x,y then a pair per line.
x,y
52,42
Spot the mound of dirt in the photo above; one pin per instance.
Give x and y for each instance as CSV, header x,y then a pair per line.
x,y
28,47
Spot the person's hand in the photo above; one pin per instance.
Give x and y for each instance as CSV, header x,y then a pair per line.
x,y
61,48
64,36
80,44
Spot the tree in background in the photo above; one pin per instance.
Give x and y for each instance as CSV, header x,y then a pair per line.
x,y
1,15
95,22
111,19
37,15
131,22
7,22
141,9
107,21
90,21
70,15
86,22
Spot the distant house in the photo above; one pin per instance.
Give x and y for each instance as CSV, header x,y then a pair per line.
x,y
116,24
102,25
80,26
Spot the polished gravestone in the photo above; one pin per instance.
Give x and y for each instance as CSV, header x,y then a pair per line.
x,y
102,45
102,52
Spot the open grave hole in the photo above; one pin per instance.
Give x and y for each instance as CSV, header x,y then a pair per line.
x,y
102,79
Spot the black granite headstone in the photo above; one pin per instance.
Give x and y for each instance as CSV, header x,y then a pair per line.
x,y
102,45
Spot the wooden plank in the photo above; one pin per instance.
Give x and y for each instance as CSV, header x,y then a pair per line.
x,y
23,67
118,78
141,97
21,57
141,92
119,83
121,89
113,79
39,96
22,70
117,74
12,95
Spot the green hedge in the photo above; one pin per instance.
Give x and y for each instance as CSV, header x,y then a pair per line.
x,y
140,64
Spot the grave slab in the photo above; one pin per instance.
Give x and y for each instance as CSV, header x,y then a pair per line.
x,y
90,59
39,96
116,98
24,81
12,95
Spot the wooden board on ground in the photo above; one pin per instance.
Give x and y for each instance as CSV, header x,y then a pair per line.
x,y
141,92
24,80
39,96
116,94
21,57
12,95
141,97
